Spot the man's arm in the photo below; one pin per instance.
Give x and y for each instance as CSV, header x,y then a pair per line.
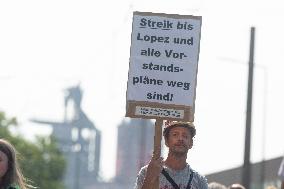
x,y
153,172
147,176
139,179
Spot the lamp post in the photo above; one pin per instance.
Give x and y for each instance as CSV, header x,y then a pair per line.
x,y
246,176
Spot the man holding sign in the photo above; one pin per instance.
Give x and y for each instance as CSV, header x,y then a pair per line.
x,y
161,85
174,172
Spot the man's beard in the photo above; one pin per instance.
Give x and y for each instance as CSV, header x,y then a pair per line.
x,y
179,153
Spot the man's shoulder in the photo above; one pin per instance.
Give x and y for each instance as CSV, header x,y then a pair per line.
x,y
143,169
198,175
193,170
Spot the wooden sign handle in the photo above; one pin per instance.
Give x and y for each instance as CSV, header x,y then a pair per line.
x,y
157,146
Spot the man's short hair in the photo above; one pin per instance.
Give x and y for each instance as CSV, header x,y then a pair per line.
x,y
188,125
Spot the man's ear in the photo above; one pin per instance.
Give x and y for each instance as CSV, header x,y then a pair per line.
x,y
191,143
166,142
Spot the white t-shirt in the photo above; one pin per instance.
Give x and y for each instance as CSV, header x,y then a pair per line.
x,y
180,177
281,170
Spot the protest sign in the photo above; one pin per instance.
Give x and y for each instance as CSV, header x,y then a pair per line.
x,y
163,66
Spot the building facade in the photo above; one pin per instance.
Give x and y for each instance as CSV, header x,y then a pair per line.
x,y
263,174
135,141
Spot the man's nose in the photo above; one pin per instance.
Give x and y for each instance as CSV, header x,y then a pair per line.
x,y
180,138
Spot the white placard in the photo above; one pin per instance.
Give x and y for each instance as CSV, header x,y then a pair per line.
x,y
163,58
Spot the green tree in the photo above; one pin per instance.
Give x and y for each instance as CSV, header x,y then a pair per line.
x,y
41,161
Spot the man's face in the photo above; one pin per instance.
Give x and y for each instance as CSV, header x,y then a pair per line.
x,y
3,164
179,141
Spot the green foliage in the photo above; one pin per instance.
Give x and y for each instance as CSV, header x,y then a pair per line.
x,y
4,124
41,161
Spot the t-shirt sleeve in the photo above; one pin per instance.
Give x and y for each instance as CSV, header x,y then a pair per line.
x,y
281,170
140,178
203,183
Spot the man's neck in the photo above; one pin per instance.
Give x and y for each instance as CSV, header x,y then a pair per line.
x,y
176,163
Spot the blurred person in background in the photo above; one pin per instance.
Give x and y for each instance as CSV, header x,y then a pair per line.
x,y
10,173
216,185
236,186
281,173
174,172
271,187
